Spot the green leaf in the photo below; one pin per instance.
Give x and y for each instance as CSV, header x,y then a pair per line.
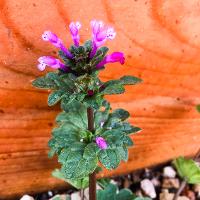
x,y
127,128
100,117
121,114
76,113
88,45
51,152
67,100
55,97
188,170
113,89
103,182
94,101
63,56
125,194
111,193
62,138
78,162
100,54
127,140
114,137
130,80
108,193
77,183
123,152
47,82
198,108
109,158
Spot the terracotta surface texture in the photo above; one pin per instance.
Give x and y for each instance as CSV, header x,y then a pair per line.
x,y
161,41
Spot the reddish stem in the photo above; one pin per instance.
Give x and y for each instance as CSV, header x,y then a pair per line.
x,y
92,177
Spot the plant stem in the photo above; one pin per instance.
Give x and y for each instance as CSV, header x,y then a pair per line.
x,y
92,186
92,177
82,194
181,188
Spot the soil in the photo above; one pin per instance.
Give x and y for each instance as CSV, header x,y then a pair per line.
x,y
163,185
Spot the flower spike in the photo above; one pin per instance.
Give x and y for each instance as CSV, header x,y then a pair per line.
x,y
52,62
114,57
100,34
74,30
57,42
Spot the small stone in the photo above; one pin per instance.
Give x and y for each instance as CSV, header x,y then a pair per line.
x,y
156,182
61,197
169,172
50,193
190,194
196,187
27,197
75,196
148,188
126,183
171,183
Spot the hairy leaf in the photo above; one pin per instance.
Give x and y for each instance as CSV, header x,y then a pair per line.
x,y
130,80
77,183
121,114
55,97
123,152
111,192
47,82
78,162
108,193
109,158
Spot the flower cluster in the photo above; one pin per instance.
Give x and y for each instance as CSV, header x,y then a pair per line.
x,y
100,33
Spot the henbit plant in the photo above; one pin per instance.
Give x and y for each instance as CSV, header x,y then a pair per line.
x,y
88,133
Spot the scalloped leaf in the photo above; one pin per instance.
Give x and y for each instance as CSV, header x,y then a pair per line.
x,y
47,82
111,192
77,183
188,170
78,161
54,97
130,80
109,158
121,114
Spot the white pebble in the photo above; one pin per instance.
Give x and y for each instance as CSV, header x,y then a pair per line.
x,y
50,193
75,196
27,197
169,172
148,188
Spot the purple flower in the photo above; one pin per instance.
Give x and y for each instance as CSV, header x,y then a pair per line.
x,y
74,28
57,42
100,34
101,143
114,57
52,62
